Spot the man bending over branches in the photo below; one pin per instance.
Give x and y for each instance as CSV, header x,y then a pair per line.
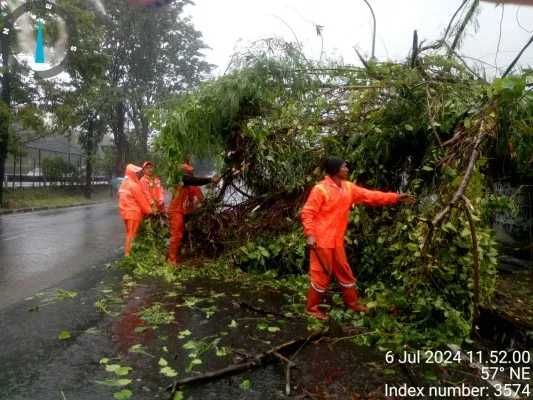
x,y
325,218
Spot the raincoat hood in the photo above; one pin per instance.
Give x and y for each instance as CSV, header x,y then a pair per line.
x,y
131,172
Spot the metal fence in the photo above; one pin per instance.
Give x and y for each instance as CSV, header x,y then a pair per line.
x,y
26,171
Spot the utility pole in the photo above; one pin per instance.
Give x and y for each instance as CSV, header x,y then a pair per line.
x,y
373,29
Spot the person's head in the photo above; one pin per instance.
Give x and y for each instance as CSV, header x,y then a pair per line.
x,y
187,168
147,168
336,167
132,171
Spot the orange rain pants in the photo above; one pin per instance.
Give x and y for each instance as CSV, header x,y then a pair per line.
x,y
132,205
177,229
132,227
184,202
325,215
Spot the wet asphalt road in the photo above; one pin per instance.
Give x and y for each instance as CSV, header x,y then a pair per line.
x,y
43,252
38,250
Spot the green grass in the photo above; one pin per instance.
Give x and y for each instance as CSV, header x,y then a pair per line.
x,y
46,197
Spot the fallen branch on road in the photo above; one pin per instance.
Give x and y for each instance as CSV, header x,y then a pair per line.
x,y
256,360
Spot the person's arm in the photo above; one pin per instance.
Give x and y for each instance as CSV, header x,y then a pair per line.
x,y
141,199
160,192
309,213
372,197
194,181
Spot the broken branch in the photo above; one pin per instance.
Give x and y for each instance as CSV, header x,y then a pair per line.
x,y
256,360
476,261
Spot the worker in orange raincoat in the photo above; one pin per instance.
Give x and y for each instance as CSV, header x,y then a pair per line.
x,y
325,218
132,204
152,188
184,201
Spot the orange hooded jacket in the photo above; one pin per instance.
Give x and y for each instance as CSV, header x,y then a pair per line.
x,y
131,201
325,213
186,198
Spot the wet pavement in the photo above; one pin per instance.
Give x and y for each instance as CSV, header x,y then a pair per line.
x,y
143,334
69,329
38,250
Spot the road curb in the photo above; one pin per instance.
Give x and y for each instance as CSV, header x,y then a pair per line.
x,y
35,209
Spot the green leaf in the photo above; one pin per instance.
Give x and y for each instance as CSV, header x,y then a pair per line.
x,y
140,329
273,329
262,326
178,396
233,324
221,352
389,371
114,382
112,367
163,362
165,349
427,168
190,345
123,394
196,361
104,360
430,375
167,371
245,385
92,330
123,371
408,127
185,332
64,335
33,309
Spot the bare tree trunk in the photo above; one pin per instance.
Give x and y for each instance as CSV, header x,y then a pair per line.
x,y
144,135
119,137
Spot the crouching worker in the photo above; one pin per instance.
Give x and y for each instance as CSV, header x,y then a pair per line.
x,y
325,218
132,204
184,201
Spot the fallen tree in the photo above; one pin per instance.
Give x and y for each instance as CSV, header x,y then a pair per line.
x,y
428,127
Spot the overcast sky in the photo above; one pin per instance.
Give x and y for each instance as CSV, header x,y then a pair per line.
x,y
230,23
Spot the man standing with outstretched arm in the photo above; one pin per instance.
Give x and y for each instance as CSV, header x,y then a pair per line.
x,y
325,219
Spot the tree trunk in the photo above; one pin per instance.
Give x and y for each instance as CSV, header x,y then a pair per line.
x,y
144,135
119,137
88,159
5,119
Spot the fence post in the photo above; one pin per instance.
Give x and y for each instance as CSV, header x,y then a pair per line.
x,y
40,173
14,169
20,171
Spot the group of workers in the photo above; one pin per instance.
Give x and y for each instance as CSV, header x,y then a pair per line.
x,y
324,218
140,196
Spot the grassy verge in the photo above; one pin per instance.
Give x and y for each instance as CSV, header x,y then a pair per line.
x,y
50,197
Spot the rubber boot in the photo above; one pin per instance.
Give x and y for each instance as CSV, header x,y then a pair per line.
x,y
172,255
351,299
313,300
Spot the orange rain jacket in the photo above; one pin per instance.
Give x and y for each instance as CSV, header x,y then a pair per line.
x,y
131,201
325,213
187,197
153,190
